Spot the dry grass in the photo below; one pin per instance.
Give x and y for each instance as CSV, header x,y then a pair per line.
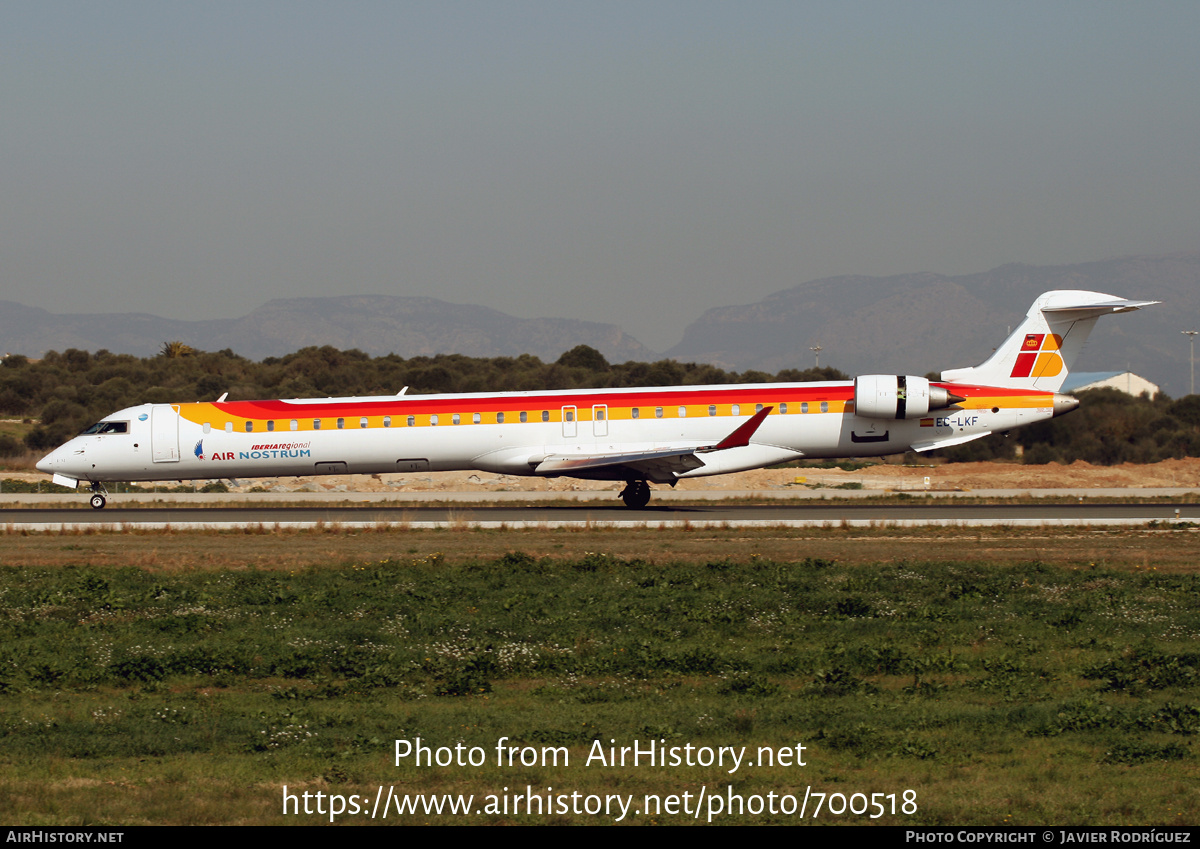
x,y
24,462
271,547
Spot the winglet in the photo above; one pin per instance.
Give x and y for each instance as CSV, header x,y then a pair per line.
x,y
741,437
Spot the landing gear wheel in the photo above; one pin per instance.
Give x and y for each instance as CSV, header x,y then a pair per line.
x,y
636,494
98,502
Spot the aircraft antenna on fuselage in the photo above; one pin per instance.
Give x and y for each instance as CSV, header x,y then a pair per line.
x,y
224,395
401,392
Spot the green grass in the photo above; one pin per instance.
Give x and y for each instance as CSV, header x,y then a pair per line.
x,y
1000,692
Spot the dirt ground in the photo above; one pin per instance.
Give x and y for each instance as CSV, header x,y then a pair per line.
x,y
950,476
882,476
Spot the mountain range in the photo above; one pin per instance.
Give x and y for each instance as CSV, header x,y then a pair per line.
x,y
917,323
375,324
909,323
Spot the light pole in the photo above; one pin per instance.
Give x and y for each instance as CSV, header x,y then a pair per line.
x,y
1191,335
816,349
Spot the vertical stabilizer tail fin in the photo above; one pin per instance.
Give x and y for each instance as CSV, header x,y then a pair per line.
x,y
1042,350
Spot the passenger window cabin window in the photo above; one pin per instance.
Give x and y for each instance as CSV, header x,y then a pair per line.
x,y
455,419
569,415
295,424
476,418
658,412
824,406
412,420
758,408
524,416
712,409
207,427
803,406
341,423
683,412
499,418
229,427
635,412
387,421
270,425
362,422
433,420
599,415
736,409
783,409
249,427
545,415
316,424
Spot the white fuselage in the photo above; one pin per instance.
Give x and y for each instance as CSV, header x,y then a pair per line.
x,y
596,434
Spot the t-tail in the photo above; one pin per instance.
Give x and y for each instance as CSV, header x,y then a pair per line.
x,y
1041,351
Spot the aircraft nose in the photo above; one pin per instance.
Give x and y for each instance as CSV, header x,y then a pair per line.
x,y
57,461
48,463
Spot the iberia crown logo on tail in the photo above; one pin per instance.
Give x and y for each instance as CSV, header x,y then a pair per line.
x,y
1039,356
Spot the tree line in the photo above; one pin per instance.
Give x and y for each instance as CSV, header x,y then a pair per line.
x,y
63,393
1110,427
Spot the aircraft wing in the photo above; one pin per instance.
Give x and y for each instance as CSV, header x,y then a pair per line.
x,y
657,466
662,466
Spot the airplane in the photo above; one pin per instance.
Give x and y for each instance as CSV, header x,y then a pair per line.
x,y
638,436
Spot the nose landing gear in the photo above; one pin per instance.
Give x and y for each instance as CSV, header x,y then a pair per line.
x,y
636,494
98,496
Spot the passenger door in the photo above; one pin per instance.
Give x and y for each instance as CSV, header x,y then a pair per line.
x,y
164,433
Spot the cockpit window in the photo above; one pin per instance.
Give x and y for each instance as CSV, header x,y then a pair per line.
x,y
107,427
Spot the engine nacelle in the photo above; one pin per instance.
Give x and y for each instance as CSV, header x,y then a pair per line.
x,y
898,396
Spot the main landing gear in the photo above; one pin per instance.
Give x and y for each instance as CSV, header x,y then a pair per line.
x,y
636,494
98,493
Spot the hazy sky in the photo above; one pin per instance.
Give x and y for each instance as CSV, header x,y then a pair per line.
x,y
635,163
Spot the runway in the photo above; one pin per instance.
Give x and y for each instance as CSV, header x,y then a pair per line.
x,y
533,515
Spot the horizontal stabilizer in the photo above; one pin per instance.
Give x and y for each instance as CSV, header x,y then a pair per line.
x,y
1114,306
